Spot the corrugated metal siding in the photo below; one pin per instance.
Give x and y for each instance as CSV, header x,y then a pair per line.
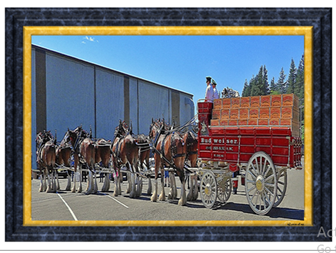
x,y
70,94
133,106
153,103
33,110
109,102
186,108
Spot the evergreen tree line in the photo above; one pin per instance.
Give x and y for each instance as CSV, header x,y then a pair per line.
x,y
259,84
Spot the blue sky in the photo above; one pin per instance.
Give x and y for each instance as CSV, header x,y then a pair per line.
x,y
183,62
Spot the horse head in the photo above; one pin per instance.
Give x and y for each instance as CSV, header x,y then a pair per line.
x,y
71,136
120,130
153,130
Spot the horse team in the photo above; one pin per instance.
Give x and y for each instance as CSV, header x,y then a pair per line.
x,y
172,148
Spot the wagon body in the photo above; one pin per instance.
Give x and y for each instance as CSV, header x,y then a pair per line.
x,y
236,145
240,134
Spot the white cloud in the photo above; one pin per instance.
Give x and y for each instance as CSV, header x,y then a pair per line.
x,y
90,39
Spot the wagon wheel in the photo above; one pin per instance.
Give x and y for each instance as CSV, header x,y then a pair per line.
x,y
282,187
260,183
208,189
224,190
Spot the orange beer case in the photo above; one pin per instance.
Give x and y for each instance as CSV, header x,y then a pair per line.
x,y
272,110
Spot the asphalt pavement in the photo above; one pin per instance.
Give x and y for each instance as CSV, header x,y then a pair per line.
x,y
65,205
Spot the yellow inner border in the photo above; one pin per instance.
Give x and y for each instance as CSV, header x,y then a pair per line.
x,y
307,32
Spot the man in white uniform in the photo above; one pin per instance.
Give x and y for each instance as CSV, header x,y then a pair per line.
x,y
214,84
209,93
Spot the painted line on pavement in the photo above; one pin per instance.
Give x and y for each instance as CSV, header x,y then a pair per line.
x,y
117,201
72,213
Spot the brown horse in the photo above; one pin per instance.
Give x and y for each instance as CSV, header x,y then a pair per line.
x,y
191,142
103,156
63,158
84,155
169,147
125,152
45,157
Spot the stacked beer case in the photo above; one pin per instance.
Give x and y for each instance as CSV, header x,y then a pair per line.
x,y
272,110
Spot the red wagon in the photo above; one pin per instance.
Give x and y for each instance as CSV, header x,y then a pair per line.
x,y
257,146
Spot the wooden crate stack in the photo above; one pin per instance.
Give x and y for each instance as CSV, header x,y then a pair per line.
x,y
272,110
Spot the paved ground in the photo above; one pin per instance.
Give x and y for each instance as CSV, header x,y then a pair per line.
x,y
65,205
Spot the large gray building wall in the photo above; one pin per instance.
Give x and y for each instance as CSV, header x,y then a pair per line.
x,y
33,110
109,102
70,94
75,92
133,104
153,104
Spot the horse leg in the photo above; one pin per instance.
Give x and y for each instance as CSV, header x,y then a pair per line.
x,y
132,181
183,199
74,181
173,189
154,195
138,181
57,182
75,173
89,183
106,185
117,182
49,186
80,174
95,187
42,182
103,189
129,179
68,187
162,196
190,195
139,191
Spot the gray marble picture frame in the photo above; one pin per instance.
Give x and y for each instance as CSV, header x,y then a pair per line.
x,y
318,18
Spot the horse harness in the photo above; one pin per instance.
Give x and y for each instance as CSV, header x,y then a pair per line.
x,y
161,151
189,145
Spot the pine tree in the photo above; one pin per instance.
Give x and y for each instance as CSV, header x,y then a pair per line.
x,y
273,88
245,89
299,82
281,84
251,86
299,88
259,87
266,84
291,78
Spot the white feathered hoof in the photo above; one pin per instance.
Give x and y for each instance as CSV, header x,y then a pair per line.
x,y
115,193
41,189
80,188
68,187
182,201
132,194
154,197
162,197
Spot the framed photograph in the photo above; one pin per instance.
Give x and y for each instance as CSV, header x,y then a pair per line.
x,y
34,216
